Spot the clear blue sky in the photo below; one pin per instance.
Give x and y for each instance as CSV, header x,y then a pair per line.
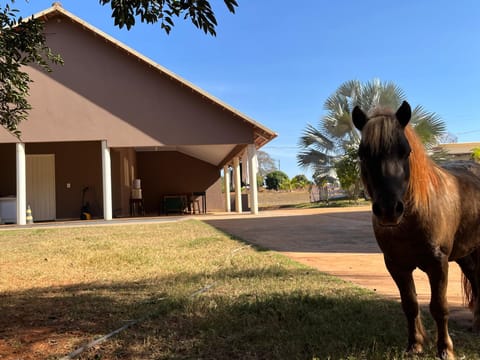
x,y
277,61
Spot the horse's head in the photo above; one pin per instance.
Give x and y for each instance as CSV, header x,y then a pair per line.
x,y
384,156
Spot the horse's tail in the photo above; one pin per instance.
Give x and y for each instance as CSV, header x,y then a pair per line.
x,y
467,292
470,291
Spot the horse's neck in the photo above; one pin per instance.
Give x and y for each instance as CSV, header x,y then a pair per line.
x,y
436,201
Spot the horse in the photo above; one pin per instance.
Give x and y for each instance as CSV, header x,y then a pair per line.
x,y
424,215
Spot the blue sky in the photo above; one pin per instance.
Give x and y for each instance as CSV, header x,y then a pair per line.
x,y
277,61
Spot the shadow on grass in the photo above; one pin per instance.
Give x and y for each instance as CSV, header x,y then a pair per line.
x,y
229,321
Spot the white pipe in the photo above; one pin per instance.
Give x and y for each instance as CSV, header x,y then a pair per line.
x,y
21,185
226,177
238,184
252,165
107,181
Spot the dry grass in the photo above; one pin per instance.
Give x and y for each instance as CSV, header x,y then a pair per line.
x,y
272,199
60,288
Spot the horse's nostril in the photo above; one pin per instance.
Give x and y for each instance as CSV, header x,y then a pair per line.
x,y
377,211
399,208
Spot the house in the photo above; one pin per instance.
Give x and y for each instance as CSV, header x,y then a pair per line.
x,y
109,116
459,151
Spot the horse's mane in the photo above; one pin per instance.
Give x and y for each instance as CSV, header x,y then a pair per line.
x,y
380,132
424,173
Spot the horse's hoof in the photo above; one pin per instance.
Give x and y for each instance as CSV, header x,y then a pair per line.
x,y
446,355
414,349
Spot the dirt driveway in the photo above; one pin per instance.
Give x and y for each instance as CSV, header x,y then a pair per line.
x,y
335,241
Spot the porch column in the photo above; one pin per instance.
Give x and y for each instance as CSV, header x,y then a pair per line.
x,y
252,166
238,184
107,181
21,185
226,177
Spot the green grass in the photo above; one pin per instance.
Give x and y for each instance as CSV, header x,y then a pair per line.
x,y
60,288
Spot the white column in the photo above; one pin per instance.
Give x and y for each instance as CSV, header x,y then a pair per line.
x,y
252,166
21,185
107,181
226,178
238,184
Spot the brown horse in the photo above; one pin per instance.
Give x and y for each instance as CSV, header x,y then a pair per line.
x,y
423,216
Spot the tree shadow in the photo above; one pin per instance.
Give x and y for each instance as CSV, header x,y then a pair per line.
x,y
344,232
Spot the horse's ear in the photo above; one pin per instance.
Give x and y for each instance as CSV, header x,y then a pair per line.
x,y
404,113
359,118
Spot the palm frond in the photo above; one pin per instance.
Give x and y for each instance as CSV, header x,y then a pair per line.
x,y
313,137
428,125
311,158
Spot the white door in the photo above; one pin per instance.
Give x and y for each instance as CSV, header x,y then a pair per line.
x,y
41,186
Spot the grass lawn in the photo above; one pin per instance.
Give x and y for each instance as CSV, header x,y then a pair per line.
x,y
61,288
300,199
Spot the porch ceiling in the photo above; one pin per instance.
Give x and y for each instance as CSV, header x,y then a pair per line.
x,y
212,154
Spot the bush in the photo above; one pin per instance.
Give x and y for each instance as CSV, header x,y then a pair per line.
x,y
300,182
276,180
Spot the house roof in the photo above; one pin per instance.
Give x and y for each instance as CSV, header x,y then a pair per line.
x,y
262,134
460,148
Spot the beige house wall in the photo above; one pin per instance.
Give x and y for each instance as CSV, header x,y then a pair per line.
x,y
108,93
104,93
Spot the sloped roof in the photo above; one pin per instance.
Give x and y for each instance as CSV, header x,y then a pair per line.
x,y
262,134
460,148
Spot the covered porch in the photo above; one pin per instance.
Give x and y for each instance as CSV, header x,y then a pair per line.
x,y
61,180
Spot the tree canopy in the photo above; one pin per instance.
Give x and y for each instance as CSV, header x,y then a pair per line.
x,y
22,42
275,180
200,13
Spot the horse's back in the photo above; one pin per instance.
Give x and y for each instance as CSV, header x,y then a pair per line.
x,y
460,167
468,234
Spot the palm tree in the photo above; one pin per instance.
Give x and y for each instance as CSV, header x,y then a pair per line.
x,y
320,147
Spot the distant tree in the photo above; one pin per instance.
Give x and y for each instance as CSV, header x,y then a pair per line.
x,y
22,42
448,138
323,181
476,155
348,171
265,163
300,182
275,179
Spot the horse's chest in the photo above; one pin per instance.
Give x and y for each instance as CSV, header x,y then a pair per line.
x,y
408,248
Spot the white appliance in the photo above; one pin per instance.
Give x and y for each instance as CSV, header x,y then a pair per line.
x,y
8,210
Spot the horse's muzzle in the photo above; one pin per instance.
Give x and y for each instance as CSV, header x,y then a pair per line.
x,y
388,214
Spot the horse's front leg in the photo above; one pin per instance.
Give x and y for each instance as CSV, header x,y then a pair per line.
x,y
404,280
438,276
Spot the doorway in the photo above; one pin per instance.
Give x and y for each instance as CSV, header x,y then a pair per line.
x,y
41,186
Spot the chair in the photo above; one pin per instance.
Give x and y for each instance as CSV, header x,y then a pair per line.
x,y
194,204
203,195
174,204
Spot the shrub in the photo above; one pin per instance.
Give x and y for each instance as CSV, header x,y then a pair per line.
x,y
276,180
